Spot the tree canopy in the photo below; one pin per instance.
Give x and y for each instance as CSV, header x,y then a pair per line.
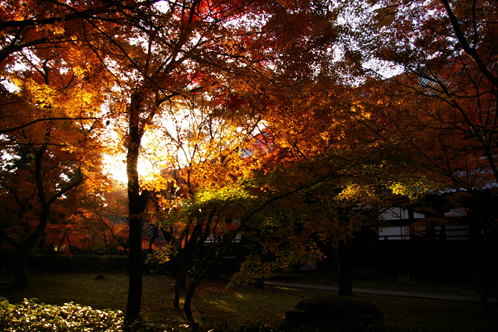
x,y
314,112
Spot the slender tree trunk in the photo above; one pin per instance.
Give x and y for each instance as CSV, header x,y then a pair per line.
x,y
488,282
181,276
187,306
199,277
345,287
61,242
201,274
334,276
179,286
41,243
259,283
134,303
21,269
137,203
68,243
186,260
105,242
485,222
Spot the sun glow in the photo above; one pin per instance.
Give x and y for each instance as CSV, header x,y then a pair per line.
x,y
115,167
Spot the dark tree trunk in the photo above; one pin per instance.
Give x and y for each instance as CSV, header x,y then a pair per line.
x,y
200,275
485,221
203,271
187,307
334,276
259,283
134,303
21,270
137,202
488,282
41,243
21,264
345,287
179,287
21,267
186,259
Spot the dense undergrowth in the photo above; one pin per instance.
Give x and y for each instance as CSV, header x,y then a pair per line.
x,y
30,315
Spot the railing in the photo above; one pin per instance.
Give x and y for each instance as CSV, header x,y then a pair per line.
x,y
460,233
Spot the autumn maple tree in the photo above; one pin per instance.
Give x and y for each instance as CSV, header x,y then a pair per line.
x,y
39,167
52,91
183,47
430,89
443,84
246,107
213,218
156,55
104,212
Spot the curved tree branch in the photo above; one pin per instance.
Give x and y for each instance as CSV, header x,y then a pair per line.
x,y
470,51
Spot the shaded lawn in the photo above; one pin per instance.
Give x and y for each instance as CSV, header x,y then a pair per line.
x,y
392,285
470,290
216,306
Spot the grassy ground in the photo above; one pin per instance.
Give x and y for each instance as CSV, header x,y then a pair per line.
x,y
216,306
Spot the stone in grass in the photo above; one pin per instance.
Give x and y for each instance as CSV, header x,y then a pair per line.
x,y
327,311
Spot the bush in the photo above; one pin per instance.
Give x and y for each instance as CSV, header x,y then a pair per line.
x,y
33,316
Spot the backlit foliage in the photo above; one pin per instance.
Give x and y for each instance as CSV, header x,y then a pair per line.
x,y
31,315
261,119
442,109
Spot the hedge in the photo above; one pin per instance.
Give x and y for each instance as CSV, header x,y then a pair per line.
x,y
31,315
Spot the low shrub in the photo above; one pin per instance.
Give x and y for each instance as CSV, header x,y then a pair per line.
x,y
33,316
